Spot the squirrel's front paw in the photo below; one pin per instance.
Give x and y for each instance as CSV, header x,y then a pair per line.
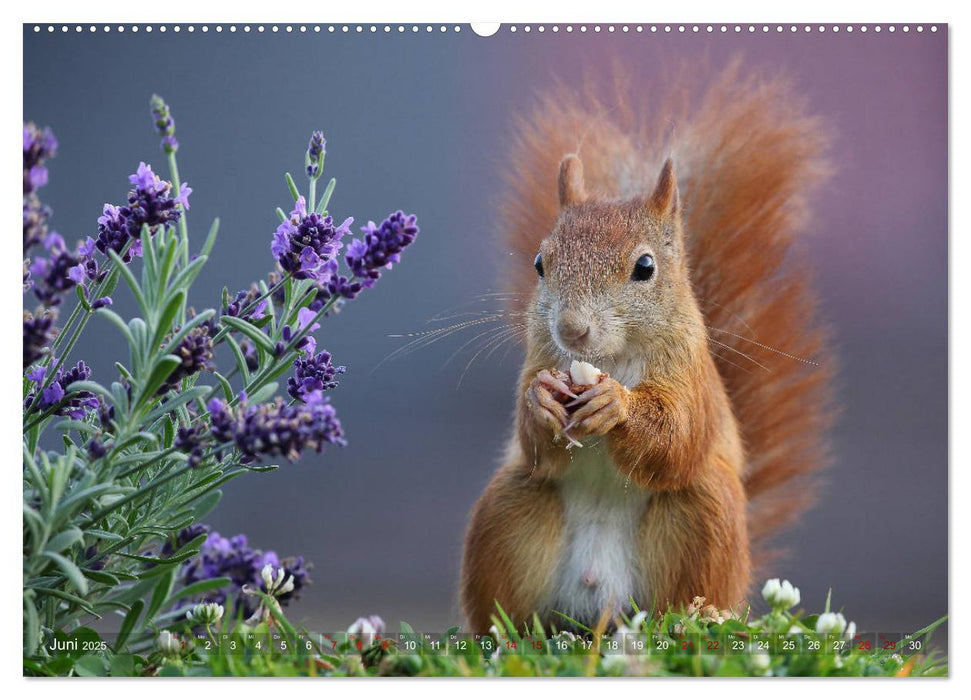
x,y
542,404
600,409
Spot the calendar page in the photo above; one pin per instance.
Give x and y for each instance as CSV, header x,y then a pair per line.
x,y
526,349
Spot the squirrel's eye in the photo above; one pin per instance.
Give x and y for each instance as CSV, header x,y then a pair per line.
x,y
643,269
538,264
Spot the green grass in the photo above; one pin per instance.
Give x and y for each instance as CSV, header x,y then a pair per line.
x,y
677,643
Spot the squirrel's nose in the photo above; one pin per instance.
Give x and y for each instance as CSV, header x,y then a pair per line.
x,y
573,330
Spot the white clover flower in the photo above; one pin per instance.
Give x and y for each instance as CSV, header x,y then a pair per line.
x,y
279,585
366,628
831,623
206,613
169,644
781,596
760,663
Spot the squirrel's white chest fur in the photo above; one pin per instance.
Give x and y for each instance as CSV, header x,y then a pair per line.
x,y
598,564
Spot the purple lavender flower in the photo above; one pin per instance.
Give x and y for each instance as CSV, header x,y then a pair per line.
x,y
250,355
306,245
184,537
149,203
164,124
191,441
313,374
96,449
93,561
235,559
106,414
57,274
195,353
381,246
275,428
36,216
242,305
77,402
39,333
344,287
39,145
315,154
308,343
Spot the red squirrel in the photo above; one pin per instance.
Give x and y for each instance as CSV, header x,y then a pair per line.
x,y
666,257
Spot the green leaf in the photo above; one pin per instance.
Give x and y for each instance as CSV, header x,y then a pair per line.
x,y
205,505
226,386
163,368
183,397
91,666
80,426
149,259
325,198
169,314
101,577
160,593
130,280
69,597
188,274
69,569
31,625
82,297
168,264
128,624
122,665
105,535
210,238
63,540
291,185
196,588
87,385
240,358
263,393
250,331
118,322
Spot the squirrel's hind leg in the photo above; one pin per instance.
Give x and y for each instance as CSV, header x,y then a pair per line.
x,y
694,542
512,546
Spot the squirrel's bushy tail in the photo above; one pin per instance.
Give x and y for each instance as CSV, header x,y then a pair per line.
x,y
747,157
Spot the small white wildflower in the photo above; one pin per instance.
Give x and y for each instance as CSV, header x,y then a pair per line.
x,y
781,596
206,613
366,628
279,585
637,621
169,644
851,630
760,662
615,663
831,623
795,629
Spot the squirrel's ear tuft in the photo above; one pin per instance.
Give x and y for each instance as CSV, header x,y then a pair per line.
x,y
664,200
572,190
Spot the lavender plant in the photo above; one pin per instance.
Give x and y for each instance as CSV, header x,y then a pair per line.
x,y
119,470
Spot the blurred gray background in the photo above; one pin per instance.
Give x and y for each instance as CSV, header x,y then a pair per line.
x,y
421,123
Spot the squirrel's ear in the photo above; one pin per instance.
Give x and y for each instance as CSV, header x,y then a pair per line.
x,y
664,200
572,190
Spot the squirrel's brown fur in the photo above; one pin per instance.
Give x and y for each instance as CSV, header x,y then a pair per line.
x,y
729,429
